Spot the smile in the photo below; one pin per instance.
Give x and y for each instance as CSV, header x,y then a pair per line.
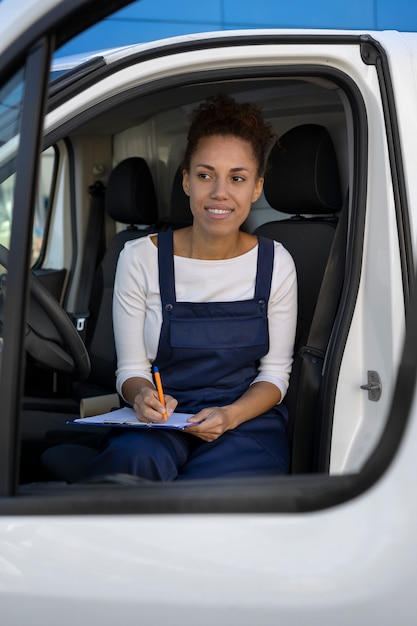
x,y
219,211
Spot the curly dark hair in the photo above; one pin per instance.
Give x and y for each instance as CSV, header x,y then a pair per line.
x,y
222,115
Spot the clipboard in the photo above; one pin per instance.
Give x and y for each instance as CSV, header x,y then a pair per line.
x,y
126,418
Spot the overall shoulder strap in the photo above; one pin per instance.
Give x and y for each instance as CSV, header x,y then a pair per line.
x,y
166,267
265,268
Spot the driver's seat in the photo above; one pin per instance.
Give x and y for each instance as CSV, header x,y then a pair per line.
x,y
131,200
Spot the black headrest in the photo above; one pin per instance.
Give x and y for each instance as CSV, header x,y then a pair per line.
x,y
130,194
180,202
302,174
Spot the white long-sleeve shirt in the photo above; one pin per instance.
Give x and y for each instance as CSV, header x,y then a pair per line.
x,y
137,312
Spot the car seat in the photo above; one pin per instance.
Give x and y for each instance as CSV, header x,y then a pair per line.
x,y
180,212
130,199
302,180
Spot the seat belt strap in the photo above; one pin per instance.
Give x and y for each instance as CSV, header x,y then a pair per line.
x,y
94,239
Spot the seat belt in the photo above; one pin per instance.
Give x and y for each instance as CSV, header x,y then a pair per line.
x,y
94,239
314,352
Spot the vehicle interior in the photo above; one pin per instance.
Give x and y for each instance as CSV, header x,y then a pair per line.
x,y
112,173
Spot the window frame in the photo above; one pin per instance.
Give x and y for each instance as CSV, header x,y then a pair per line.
x,y
27,164
300,494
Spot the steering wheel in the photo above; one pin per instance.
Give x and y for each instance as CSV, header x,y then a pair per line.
x,y
51,337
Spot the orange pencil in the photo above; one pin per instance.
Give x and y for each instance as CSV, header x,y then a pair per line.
x,y
158,383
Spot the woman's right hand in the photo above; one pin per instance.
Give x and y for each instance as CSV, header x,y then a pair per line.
x,y
148,407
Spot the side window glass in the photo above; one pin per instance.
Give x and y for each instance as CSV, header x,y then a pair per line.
x,y
11,100
10,113
6,207
11,105
46,179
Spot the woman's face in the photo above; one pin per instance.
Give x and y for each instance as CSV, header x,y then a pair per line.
x,y
222,183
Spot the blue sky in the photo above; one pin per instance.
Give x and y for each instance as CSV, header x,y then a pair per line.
x,y
145,20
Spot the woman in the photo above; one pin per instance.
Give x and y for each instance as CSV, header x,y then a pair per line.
x,y
215,309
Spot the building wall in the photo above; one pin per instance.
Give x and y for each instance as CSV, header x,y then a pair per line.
x,y
145,20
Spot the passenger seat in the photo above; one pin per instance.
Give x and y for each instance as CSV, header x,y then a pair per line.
x,y
302,180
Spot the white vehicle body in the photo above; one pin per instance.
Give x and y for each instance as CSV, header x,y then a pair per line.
x,y
336,545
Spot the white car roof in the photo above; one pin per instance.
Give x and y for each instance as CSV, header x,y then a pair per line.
x,y
112,55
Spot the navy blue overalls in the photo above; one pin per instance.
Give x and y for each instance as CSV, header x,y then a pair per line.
x,y
208,355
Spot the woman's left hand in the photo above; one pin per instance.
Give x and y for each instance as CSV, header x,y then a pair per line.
x,y
260,397
210,423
